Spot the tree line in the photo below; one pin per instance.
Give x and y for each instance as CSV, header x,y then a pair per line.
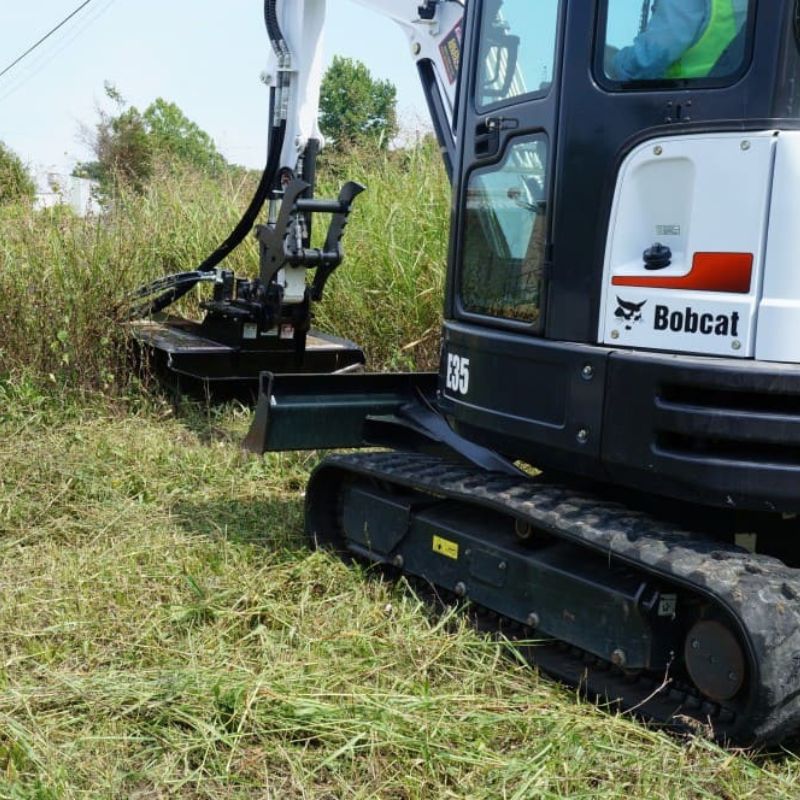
x,y
356,110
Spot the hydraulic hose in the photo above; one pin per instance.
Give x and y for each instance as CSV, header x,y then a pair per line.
x,y
173,287
166,287
245,224
180,288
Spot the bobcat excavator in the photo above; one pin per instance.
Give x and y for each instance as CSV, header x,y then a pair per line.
x,y
622,313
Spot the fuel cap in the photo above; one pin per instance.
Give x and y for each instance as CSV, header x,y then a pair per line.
x,y
659,256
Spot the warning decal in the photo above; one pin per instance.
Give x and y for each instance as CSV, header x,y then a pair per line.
x,y
444,547
450,49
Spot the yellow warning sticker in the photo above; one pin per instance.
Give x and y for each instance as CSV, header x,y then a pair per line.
x,y
444,547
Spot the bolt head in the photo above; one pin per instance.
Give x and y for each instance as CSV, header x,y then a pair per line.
x,y
398,561
615,334
583,436
736,344
618,658
746,145
532,620
461,589
658,150
416,48
695,644
587,373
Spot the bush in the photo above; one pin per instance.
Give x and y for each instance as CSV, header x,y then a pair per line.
x,y
16,183
128,145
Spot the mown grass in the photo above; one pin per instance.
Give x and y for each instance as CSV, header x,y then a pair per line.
x,y
165,632
164,629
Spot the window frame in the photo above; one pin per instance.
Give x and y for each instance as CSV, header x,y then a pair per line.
x,y
519,98
666,84
535,326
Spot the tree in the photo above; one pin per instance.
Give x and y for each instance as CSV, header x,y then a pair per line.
x,y
356,108
173,134
122,150
15,180
127,145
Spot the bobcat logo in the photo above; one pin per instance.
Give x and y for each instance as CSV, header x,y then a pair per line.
x,y
630,313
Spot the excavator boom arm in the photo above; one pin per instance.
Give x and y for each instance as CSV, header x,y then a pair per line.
x,y
295,69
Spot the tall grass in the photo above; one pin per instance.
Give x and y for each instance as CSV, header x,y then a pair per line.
x,y
61,277
388,294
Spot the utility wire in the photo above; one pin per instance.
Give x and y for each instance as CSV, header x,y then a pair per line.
x,y
45,56
45,37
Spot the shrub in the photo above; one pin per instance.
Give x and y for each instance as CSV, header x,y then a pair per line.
x,y
16,183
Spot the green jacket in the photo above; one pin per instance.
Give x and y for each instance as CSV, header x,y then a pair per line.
x,y
700,58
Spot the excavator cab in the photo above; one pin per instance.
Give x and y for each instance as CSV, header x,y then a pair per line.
x,y
621,299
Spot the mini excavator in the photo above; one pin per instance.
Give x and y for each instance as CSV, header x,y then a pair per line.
x,y
622,312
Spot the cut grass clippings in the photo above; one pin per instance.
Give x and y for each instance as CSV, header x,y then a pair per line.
x,y
166,633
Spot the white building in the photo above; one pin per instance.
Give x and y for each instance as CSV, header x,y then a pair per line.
x,y
55,188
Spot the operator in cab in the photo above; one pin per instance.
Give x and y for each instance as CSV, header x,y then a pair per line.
x,y
683,39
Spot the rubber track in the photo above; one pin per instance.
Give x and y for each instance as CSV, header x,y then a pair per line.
x,y
760,592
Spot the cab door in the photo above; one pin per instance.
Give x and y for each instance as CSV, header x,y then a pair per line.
x,y
507,124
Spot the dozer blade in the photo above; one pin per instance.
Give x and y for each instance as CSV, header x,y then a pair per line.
x,y
318,412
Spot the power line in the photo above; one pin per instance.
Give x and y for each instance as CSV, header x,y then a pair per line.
x,y
46,57
45,37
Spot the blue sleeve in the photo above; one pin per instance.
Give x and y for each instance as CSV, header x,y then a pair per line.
x,y
674,27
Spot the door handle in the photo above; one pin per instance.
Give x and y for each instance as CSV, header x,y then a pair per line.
x,y
487,134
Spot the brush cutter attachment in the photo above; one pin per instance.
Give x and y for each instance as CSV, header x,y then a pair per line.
x,y
259,324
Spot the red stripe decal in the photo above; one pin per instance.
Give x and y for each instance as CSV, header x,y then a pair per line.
x,y
711,272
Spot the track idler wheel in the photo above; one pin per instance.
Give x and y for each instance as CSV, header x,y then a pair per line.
x,y
714,660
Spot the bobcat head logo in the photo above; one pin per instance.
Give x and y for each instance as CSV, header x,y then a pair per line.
x,y
630,313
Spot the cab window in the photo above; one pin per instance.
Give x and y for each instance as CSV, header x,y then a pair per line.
x,y
517,50
675,40
505,229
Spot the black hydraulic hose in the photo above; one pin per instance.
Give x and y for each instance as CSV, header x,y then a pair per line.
x,y
274,29
165,288
247,221
237,236
168,282
182,284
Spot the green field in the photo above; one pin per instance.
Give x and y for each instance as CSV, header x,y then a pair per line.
x,y
164,629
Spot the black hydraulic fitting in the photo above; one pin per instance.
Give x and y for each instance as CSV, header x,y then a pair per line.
x,y
427,10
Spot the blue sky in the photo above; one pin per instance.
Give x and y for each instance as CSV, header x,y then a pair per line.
x,y
205,55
